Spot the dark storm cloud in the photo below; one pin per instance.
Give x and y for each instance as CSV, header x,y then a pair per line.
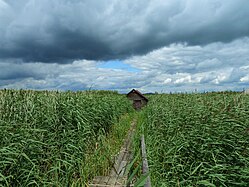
x,y
18,70
62,30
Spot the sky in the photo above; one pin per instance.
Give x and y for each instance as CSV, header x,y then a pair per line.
x,y
154,45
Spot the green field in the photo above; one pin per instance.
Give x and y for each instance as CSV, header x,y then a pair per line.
x,y
50,138
197,139
58,138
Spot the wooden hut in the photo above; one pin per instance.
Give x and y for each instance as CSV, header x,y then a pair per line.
x,y
246,91
139,100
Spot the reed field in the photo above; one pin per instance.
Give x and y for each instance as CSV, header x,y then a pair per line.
x,y
197,139
50,138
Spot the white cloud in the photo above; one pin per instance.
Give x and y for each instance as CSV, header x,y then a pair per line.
x,y
198,67
178,67
79,75
245,79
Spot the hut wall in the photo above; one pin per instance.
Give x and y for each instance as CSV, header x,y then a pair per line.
x,y
134,96
144,102
246,91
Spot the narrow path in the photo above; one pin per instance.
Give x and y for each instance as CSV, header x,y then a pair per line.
x,y
117,176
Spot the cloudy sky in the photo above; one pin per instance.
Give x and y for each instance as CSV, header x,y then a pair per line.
x,y
153,45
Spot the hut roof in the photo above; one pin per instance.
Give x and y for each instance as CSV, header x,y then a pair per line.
x,y
138,93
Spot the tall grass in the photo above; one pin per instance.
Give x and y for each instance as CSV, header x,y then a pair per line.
x,y
197,139
46,136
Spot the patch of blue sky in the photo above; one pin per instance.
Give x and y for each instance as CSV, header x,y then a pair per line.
x,y
118,64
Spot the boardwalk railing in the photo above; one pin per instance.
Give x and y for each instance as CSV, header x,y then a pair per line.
x,y
145,166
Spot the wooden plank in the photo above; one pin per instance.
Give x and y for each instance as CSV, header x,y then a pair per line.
x,y
107,185
114,171
124,153
127,155
109,181
112,180
145,166
117,181
122,167
104,180
96,180
116,177
121,181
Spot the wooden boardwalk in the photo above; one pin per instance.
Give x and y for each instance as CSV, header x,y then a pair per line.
x,y
117,176
102,181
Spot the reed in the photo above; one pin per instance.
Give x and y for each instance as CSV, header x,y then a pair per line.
x,y
197,139
47,137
